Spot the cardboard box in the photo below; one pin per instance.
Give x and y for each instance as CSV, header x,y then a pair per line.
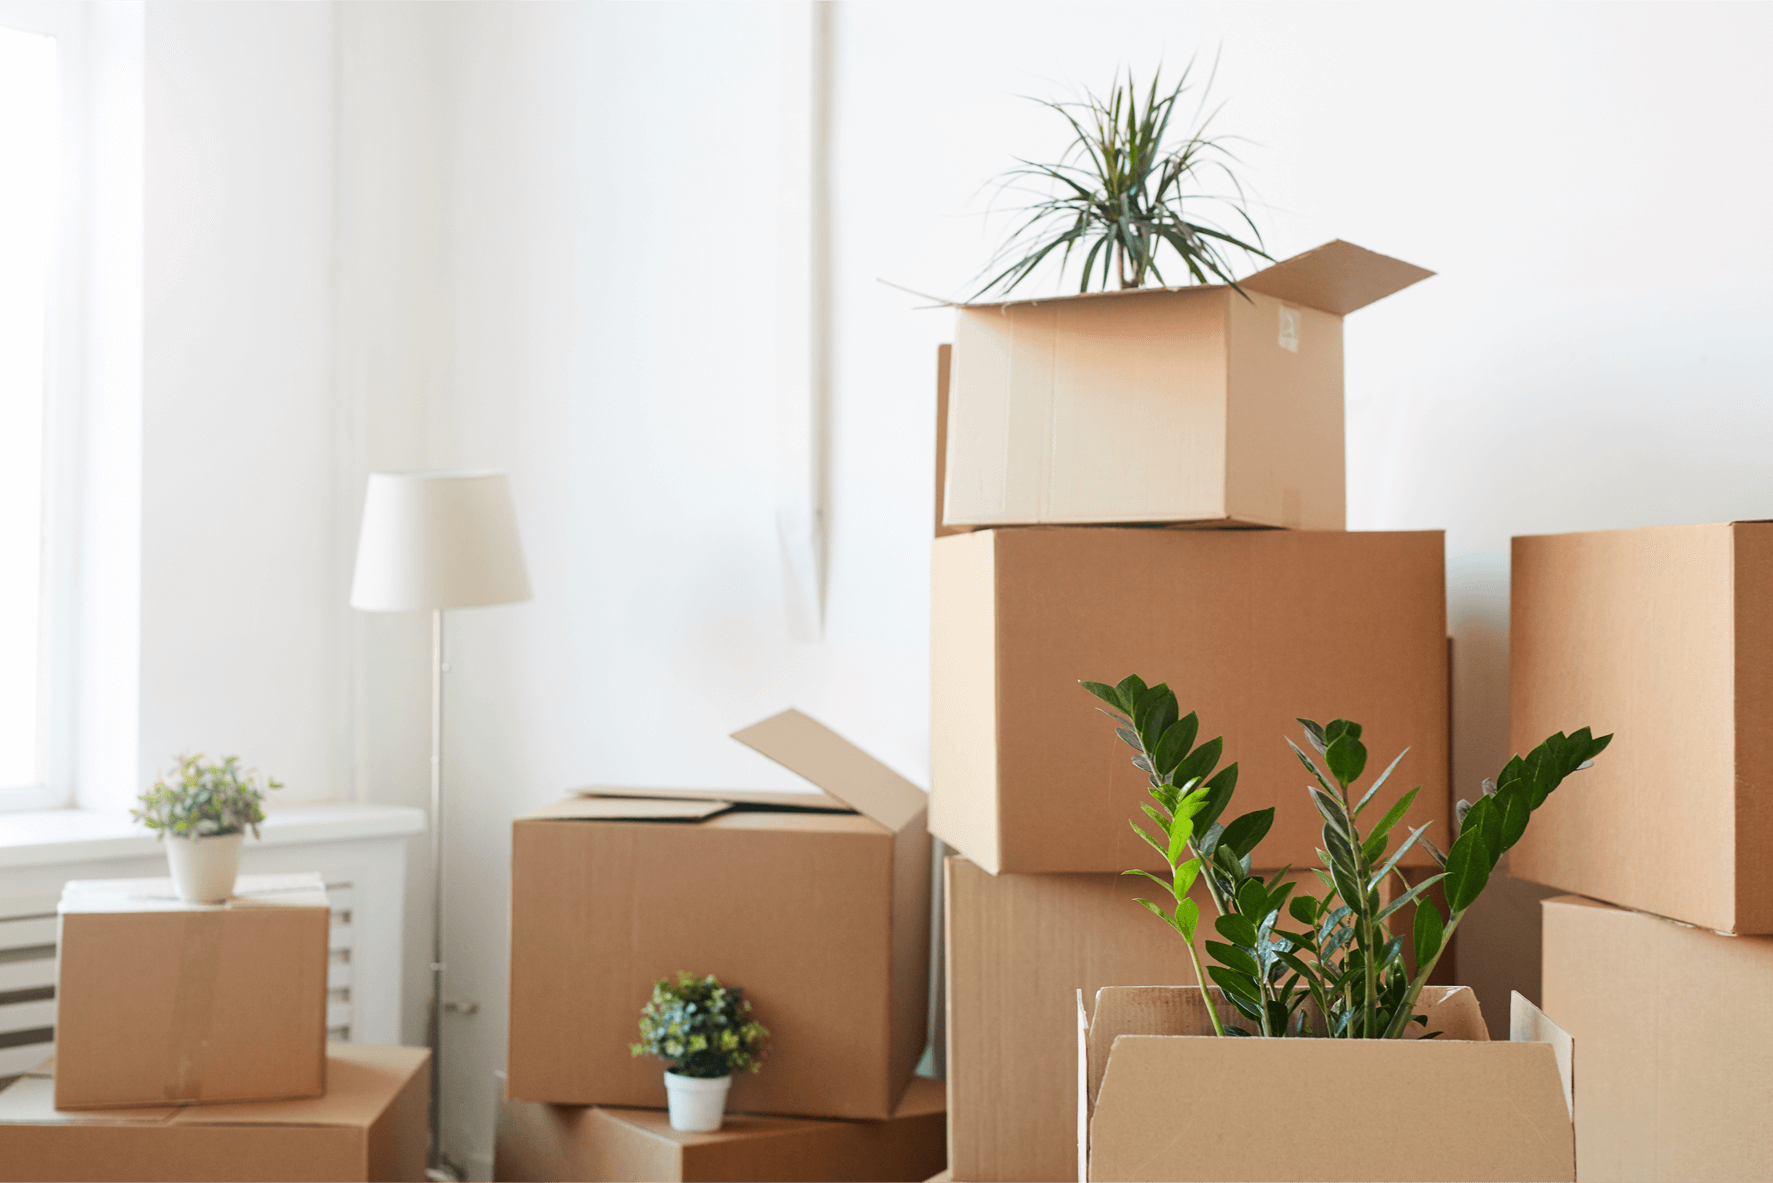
x,y
818,906
1251,628
557,1142
1019,947
1192,404
1663,637
370,1125
1677,1047
1457,1107
162,1002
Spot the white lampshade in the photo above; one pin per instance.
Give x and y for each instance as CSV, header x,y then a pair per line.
x,y
438,540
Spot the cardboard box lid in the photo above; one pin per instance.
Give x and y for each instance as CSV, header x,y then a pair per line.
x,y
301,889
1151,1035
843,770
850,780
361,1081
1337,277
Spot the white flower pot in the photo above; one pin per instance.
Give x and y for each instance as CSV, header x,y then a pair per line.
x,y
203,869
697,1103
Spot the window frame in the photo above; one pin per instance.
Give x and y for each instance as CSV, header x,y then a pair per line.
x,y
59,635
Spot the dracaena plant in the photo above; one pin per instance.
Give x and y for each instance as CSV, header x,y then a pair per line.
x,y
1343,972
1117,195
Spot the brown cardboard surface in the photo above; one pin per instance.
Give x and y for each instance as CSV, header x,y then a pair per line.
x,y
369,1125
1675,1072
1664,637
822,917
1142,1048
1019,947
558,1142
1192,404
1026,776
158,1001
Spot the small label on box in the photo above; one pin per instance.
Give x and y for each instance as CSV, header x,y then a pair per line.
x,y
1289,329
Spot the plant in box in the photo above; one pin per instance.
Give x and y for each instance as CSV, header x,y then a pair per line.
x,y
1342,972
201,811
704,1032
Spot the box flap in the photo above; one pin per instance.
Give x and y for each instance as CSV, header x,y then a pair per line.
x,y
807,800
607,809
302,889
1528,1024
839,767
1337,277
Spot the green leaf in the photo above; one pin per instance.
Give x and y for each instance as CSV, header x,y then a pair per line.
x,y
1235,985
1200,762
1157,911
1246,832
1315,734
1235,958
1187,918
1303,908
1129,689
1237,929
1427,932
1181,830
1378,784
1106,693
1185,877
1346,756
1219,790
1516,809
1339,728
1468,870
1395,814
1252,900
1378,876
1175,742
1331,809
1149,840
1157,710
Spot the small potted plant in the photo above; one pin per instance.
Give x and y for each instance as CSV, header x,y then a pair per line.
x,y
704,1033
201,811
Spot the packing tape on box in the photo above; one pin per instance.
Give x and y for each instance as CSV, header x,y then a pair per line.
x,y
194,1008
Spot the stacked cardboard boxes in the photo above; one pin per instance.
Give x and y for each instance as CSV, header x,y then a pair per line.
x,y
817,905
1663,637
1070,432
191,1044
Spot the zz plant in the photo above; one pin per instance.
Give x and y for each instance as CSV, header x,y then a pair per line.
x,y
1343,957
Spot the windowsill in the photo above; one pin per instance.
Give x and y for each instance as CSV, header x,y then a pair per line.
x,y
35,837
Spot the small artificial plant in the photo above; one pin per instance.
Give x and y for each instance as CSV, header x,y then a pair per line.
x,y
1343,958
700,1028
198,800
1116,194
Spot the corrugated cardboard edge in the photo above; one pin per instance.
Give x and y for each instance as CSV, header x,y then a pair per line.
x,y
805,746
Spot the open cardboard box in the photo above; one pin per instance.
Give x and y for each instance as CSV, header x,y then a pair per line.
x,y
163,1002
371,1124
1189,404
1677,1042
817,905
1251,628
538,1143
1664,637
1161,1098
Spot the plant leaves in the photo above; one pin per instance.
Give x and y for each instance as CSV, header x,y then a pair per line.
x,y
1468,870
1427,933
1175,742
1246,832
1347,757
1240,930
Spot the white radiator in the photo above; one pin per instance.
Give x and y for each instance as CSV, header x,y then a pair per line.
x,y
361,854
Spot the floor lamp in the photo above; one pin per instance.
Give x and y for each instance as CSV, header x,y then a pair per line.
x,y
437,540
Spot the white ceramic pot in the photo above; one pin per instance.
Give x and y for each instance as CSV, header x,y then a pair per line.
x,y
203,869
697,1103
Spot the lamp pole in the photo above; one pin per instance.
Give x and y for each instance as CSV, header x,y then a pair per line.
x,y
439,1169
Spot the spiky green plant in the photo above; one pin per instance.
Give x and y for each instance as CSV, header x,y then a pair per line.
x,y
1117,194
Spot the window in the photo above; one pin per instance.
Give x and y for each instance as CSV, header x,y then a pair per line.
x,y
31,125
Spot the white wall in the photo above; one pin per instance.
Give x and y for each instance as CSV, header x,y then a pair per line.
x,y
543,237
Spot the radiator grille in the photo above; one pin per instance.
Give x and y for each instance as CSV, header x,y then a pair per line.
x,y
27,977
